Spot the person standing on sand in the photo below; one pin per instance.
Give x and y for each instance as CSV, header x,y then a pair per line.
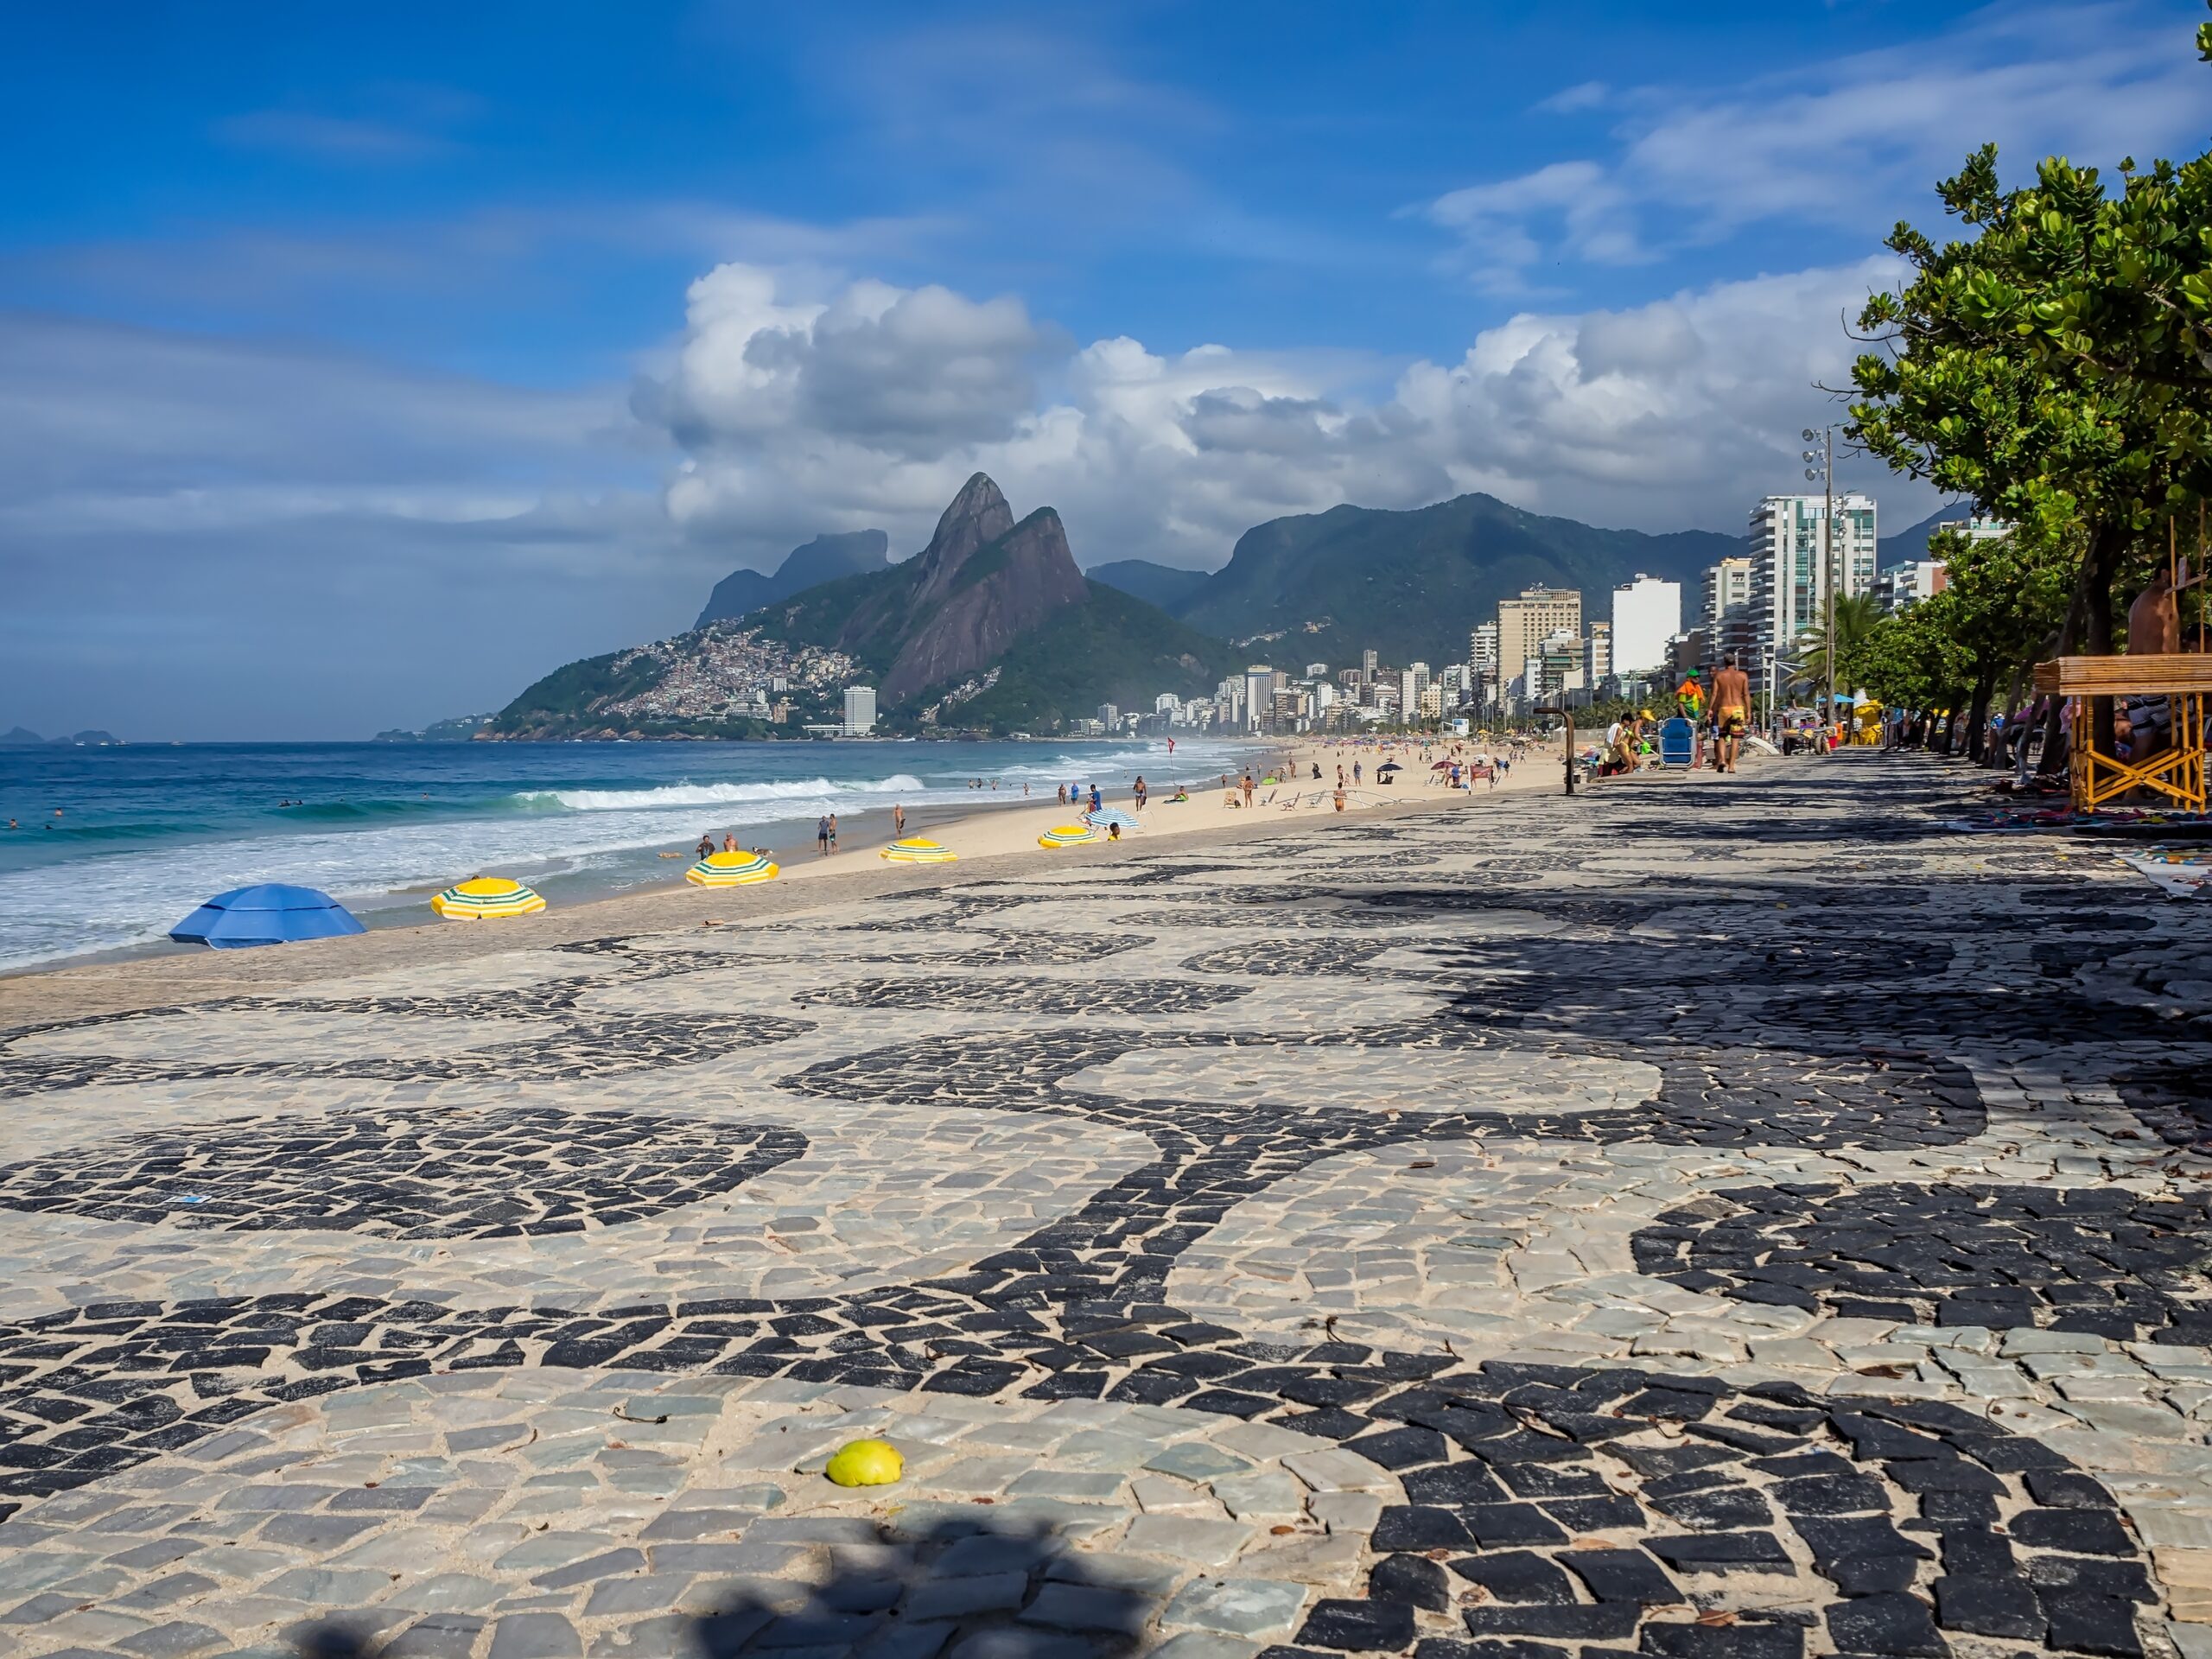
x,y
706,845
1096,799
898,823
1140,792
822,836
1247,787
833,832
729,842
1731,711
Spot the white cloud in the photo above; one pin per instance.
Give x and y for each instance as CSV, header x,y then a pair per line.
x,y
1660,416
1839,143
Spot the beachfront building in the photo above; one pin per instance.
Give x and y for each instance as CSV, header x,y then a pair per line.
x,y
1109,716
1903,586
1598,655
1727,591
1791,566
1259,694
1525,623
1647,614
1369,662
860,710
1482,649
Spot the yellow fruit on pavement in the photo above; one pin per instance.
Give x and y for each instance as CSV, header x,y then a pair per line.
x,y
865,1463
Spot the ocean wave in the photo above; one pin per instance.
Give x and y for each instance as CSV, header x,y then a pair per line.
x,y
677,794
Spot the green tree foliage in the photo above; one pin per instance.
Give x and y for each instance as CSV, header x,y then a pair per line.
x,y
2055,366
1856,616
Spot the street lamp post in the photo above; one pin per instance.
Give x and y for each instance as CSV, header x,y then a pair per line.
x,y
1825,455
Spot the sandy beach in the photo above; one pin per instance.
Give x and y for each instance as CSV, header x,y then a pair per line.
x,y
999,833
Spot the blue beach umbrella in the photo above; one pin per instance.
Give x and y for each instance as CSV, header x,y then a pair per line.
x,y
269,914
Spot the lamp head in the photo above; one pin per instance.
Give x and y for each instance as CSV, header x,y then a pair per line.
x,y
1808,435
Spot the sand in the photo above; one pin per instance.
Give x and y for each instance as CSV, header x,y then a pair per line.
x,y
988,840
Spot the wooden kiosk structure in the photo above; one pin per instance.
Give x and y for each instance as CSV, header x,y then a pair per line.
x,y
2175,771
2182,678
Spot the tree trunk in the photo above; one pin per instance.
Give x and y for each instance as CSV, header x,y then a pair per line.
x,y
2107,544
1978,715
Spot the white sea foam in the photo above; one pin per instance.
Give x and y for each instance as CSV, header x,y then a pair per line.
x,y
670,796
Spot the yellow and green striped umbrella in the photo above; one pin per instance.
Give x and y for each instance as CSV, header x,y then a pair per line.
x,y
1067,834
917,850
732,870
485,899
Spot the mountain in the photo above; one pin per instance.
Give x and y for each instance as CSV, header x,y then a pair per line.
x,y
1908,545
823,559
20,737
1156,584
1412,585
954,608
991,627
454,729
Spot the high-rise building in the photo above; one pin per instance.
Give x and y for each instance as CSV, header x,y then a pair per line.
x,y
1525,623
1727,590
1317,671
860,710
1482,649
1647,614
1108,716
1259,694
1791,564
1597,653
1368,663
1555,665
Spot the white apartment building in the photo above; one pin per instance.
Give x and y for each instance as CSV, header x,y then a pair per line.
x,y
1525,623
1166,703
1259,694
1597,654
860,710
1727,590
1790,584
1482,649
1647,614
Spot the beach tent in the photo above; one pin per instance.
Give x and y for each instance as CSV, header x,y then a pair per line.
x,y
1067,834
485,899
269,914
733,870
917,850
1111,817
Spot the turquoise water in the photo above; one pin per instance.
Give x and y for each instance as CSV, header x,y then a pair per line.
x,y
114,846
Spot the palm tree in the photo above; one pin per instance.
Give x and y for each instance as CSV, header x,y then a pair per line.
x,y
1857,616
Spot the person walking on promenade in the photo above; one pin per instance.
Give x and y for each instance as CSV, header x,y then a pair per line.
x,y
1731,711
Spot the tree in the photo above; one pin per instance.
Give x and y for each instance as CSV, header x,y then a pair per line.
x,y
1856,615
2058,362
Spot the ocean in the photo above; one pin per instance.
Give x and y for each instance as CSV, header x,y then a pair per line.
x,y
114,847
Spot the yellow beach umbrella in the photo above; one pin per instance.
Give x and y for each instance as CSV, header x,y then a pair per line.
x,y
485,899
917,850
732,870
1067,834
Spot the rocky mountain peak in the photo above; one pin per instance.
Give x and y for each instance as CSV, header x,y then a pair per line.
x,y
978,516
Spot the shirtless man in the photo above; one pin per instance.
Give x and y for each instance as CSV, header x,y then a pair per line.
x,y
1731,711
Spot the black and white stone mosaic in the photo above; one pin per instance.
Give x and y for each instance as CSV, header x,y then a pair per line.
x,y
406,1172
2104,1261
1851,1295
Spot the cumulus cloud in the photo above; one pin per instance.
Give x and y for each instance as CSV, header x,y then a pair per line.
x,y
799,415
1837,143
206,537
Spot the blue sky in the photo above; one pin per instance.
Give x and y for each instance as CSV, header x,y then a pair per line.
x,y
358,323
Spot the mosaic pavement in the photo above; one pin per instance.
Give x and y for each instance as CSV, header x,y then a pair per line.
x,y
1731,1219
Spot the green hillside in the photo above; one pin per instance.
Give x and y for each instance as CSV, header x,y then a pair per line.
x,y
1111,648
1412,585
